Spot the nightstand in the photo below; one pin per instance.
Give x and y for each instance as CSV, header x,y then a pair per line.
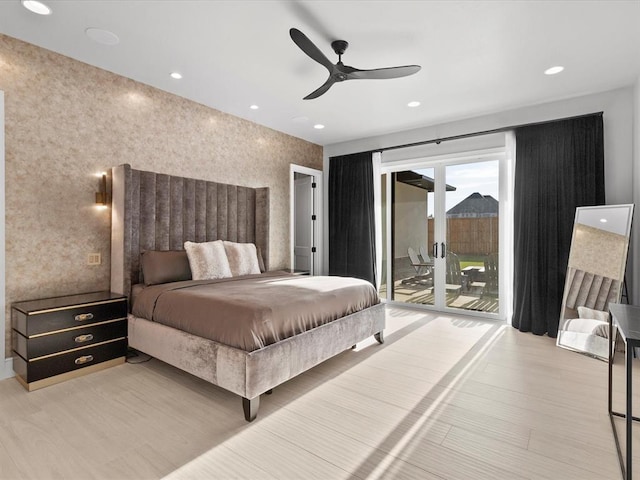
x,y
56,339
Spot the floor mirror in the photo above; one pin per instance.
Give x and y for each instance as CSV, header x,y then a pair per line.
x,y
595,277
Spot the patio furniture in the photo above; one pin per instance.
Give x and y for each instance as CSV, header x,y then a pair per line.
x,y
453,276
425,255
491,276
422,267
474,276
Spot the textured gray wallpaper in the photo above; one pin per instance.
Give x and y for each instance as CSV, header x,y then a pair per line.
x,y
66,121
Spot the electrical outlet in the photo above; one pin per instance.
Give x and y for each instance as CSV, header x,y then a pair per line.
x,y
94,259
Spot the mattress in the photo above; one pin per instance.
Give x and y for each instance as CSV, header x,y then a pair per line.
x,y
253,311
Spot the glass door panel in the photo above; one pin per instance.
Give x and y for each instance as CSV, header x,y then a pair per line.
x,y
472,231
412,196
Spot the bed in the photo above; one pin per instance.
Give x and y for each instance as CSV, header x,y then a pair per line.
x,y
158,213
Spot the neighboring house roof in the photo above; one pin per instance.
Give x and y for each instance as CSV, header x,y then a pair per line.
x,y
475,205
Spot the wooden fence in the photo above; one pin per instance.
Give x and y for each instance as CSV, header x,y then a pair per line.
x,y
469,236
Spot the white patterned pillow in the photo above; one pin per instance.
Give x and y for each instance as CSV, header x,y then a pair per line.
x,y
208,260
243,258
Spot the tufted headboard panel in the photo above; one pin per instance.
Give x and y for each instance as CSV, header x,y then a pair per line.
x,y
590,290
153,211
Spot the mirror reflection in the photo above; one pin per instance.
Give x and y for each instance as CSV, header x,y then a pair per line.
x,y
595,276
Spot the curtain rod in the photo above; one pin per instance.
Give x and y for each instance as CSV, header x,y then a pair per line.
x,y
477,134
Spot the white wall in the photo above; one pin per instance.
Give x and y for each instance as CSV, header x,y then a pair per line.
x,y
411,219
618,107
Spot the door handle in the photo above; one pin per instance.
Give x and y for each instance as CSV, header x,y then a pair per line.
x,y
443,251
434,250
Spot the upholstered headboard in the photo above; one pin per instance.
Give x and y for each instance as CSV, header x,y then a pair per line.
x,y
152,211
589,290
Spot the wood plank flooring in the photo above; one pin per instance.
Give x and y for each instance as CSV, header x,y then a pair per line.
x,y
444,398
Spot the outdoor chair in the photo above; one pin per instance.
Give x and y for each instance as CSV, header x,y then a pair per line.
x,y
425,255
453,276
491,276
421,267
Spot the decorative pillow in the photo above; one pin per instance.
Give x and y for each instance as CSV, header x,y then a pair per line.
x,y
584,312
207,260
243,258
587,325
164,266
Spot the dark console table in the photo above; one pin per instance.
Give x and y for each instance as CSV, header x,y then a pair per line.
x,y
626,318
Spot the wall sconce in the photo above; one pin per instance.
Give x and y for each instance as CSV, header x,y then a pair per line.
x,y
102,197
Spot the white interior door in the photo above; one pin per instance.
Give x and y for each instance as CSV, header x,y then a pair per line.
x,y
303,251
305,192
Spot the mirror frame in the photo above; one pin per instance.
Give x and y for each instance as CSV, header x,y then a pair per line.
x,y
583,277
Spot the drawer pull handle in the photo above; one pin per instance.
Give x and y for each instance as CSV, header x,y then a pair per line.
x,y
83,317
84,338
84,359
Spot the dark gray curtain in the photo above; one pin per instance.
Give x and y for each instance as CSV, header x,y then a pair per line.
x,y
559,166
352,249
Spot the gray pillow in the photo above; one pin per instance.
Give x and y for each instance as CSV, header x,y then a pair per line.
x,y
164,266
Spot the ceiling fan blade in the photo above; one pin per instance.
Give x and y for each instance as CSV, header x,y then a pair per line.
x,y
322,90
382,73
308,47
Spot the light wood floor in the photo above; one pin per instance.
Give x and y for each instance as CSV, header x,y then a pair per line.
x,y
443,398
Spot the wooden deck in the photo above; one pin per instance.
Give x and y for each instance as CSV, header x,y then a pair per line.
x,y
422,293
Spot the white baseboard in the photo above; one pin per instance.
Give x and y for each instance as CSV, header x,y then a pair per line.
x,y
7,372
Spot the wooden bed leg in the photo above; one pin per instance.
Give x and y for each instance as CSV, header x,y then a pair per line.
x,y
379,337
250,407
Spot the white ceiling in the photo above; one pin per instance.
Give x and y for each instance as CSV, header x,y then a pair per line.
x,y
477,57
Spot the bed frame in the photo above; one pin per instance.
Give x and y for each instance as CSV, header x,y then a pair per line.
x,y
152,211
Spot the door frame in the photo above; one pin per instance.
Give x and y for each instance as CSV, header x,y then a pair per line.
x,y
6,364
506,213
317,206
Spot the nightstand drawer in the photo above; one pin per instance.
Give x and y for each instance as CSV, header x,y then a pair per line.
x,y
32,371
52,320
39,346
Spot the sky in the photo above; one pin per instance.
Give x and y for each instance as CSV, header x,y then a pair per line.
x,y
467,178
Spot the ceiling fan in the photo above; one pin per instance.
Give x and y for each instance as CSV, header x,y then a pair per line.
x,y
340,72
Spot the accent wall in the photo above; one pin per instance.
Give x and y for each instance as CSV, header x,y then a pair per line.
x,y
66,121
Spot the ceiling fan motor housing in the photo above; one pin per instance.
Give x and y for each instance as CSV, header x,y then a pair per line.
x,y
339,46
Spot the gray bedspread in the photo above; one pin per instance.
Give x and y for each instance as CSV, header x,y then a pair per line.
x,y
253,311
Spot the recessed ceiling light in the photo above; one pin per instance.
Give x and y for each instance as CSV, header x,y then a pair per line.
x,y
553,70
318,126
413,104
254,107
104,37
603,220
176,75
36,7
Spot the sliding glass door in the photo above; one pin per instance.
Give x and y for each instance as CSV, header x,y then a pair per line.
x,y
442,234
412,236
